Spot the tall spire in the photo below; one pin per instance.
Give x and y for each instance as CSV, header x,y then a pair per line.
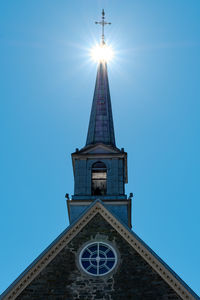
x,y
101,128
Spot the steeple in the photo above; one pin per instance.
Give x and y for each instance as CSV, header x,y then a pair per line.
x,y
101,128
100,168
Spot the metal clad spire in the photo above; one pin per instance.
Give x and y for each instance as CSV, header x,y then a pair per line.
x,y
101,128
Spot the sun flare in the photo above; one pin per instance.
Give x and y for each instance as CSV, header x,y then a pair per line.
x,y
102,53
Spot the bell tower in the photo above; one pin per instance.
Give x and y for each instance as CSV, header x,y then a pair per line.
x,y
100,168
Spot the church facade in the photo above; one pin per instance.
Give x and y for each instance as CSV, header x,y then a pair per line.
x,y
99,256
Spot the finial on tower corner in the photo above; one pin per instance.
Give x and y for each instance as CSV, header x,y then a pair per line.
x,y
103,23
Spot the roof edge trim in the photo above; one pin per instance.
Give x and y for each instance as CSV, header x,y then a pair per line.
x,y
173,280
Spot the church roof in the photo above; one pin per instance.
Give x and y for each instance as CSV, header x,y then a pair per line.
x,y
168,275
101,128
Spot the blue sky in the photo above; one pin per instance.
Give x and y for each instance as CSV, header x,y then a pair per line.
x,y
47,83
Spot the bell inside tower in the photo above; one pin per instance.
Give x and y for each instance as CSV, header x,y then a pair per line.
x,y
99,178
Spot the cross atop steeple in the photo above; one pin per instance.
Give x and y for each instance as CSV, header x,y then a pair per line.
x,y
103,23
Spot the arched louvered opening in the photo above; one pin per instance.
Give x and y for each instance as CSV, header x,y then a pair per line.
x,y
99,178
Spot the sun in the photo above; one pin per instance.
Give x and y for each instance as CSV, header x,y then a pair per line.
x,y
102,53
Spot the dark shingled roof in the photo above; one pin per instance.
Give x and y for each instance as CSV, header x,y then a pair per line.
x,y
101,128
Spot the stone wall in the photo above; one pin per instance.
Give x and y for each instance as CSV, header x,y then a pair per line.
x,y
133,278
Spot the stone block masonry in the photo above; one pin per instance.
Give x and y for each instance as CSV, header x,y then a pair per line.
x,y
132,279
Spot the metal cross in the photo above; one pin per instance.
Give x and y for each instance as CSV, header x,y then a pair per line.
x,y
103,23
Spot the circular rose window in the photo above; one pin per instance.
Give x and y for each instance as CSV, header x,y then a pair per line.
x,y
98,259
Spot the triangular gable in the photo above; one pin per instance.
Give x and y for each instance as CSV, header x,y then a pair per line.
x,y
99,148
138,245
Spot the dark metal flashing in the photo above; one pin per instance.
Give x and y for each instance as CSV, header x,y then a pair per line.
x,y
109,203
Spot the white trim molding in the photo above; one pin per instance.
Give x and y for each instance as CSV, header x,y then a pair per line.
x,y
145,252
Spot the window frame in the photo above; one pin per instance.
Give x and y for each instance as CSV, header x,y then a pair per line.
x,y
98,243
104,172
